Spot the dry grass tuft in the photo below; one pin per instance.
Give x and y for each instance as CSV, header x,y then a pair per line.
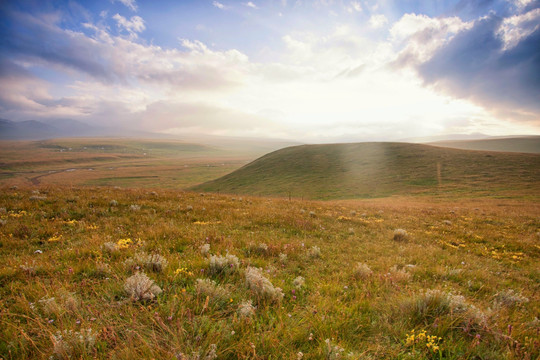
x,y
401,235
362,271
227,264
261,286
140,287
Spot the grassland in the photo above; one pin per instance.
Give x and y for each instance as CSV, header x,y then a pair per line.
x,y
523,144
366,170
462,284
119,162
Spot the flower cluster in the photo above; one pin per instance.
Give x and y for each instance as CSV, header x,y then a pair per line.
x,y
55,238
123,243
183,272
431,342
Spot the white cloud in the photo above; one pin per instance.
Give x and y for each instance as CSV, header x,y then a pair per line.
x,y
518,27
131,4
219,5
419,36
520,4
377,21
355,6
251,5
133,26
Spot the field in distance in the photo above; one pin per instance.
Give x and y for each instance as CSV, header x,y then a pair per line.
x,y
156,273
524,144
125,162
366,170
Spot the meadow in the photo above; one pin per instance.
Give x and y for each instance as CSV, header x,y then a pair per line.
x,y
103,272
122,162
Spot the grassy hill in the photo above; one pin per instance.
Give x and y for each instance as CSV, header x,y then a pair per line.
x,y
364,170
525,144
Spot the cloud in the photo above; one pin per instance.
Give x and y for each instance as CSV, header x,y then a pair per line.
x,y
24,96
133,26
39,40
198,117
251,5
515,28
478,64
115,59
219,5
131,4
354,6
419,36
377,21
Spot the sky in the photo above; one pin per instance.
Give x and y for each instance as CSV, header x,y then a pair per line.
x,y
311,71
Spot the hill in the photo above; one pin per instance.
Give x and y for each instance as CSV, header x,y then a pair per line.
x,y
525,144
364,170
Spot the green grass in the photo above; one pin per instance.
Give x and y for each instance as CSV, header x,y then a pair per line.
x,y
118,162
523,144
469,253
341,171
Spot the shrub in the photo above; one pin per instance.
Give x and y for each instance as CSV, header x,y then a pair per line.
x,y
205,249
400,235
209,288
261,286
49,305
259,249
140,287
246,309
399,275
227,264
432,304
299,282
109,247
508,298
333,351
314,252
151,262
68,344
211,354
362,271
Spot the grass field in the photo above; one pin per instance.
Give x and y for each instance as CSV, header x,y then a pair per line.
x,y
366,170
119,162
523,144
461,281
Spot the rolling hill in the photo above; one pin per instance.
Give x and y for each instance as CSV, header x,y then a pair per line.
x,y
525,144
365,170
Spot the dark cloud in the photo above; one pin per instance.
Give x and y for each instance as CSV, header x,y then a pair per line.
x,y
40,40
475,65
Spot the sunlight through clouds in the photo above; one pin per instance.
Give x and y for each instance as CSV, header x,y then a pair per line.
x,y
362,72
